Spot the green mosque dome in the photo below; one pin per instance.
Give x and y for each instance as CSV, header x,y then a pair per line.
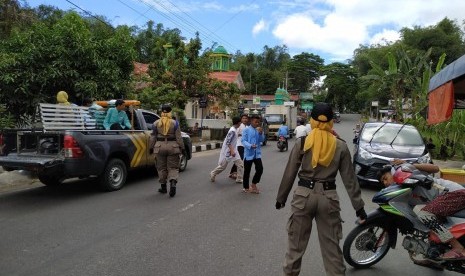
x,y
220,50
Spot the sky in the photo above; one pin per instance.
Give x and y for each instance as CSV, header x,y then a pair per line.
x,y
332,29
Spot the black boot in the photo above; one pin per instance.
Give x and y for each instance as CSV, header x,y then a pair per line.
x,y
163,189
172,187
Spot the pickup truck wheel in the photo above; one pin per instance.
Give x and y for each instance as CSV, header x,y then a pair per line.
x,y
114,175
50,180
182,162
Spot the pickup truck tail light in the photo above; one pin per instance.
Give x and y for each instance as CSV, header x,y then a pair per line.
x,y
71,148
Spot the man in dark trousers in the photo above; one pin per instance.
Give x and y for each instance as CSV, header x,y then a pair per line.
x,y
167,145
316,159
252,137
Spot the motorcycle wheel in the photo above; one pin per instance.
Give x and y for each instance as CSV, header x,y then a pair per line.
x,y
366,245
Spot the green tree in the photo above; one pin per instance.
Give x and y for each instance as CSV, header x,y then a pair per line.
x,y
444,37
9,16
403,80
38,62
341,83
180,67
304,69
225,94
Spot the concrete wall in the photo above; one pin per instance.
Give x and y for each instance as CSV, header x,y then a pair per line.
x,y
210,123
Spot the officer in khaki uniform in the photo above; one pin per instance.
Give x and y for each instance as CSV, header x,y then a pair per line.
x,y
167,146
317,158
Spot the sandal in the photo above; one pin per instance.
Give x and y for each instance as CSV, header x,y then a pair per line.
x,y
453,255
246,191
254,190
233,176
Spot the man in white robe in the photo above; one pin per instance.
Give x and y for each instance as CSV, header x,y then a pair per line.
x,y
229,153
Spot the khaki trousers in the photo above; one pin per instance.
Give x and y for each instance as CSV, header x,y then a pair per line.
x,y
167,160
323,206
221,167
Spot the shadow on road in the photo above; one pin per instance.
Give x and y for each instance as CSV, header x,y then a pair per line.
x,y
72,189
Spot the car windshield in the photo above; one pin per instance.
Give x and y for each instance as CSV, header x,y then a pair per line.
x,y
408,136
274,118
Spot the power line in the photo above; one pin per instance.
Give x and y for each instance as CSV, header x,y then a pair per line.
x,y
232,17
180,22
140,14
89,13
209,32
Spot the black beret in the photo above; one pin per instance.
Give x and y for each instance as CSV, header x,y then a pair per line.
x,y
322,109
166,108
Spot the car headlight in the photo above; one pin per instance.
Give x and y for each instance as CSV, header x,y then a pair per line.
x,y
424,159
364,155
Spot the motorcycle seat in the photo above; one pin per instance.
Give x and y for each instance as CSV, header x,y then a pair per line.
x,y
459,214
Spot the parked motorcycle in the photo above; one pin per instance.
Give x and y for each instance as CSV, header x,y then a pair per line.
x,y
282,143
370,241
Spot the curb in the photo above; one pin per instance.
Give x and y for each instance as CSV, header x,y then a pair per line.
x,y
207,146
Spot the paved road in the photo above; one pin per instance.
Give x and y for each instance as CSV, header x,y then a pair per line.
x,y
207,229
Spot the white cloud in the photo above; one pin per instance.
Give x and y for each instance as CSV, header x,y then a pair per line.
x,y
386,36
259,27
337,27
242,8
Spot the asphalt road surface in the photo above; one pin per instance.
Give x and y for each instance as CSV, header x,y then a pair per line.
x,y
207,229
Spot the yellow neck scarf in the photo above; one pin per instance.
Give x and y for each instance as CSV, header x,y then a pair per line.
x,y
322,143
165,122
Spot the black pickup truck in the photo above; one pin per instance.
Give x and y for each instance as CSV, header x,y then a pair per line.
x,y
57,153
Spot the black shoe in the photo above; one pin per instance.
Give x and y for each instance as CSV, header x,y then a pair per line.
x,y
163,189
173,188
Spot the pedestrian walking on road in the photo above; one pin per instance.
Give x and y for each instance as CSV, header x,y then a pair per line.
x,y
240,147
167,146
252,137
229,153
301,130
319,156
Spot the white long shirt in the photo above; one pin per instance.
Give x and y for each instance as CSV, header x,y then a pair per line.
x,y
231,139
300,131
240,129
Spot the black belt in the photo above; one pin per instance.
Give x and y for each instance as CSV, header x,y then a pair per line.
x,y
165,139
327,185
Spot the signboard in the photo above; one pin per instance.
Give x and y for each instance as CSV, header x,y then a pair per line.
x,y
307,106
375,103
306,96
203,103
289,104
256,100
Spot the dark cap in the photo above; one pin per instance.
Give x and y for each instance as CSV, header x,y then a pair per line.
x,y
322,112
166,108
